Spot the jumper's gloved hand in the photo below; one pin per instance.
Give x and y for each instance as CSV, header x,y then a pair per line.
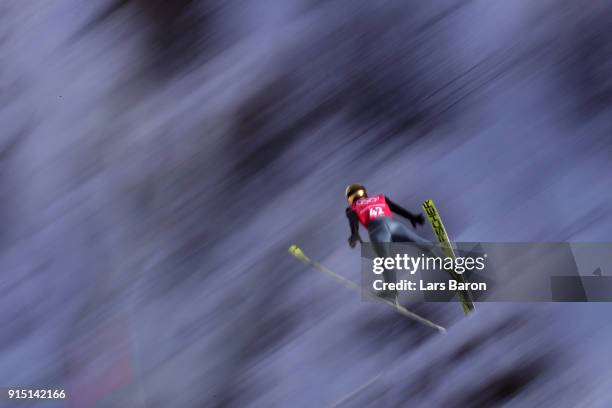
x,y
417,219
353,240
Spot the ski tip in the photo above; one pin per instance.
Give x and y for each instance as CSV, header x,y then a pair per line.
x,y
296,251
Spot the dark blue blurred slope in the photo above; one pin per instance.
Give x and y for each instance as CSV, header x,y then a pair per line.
x,y
158,159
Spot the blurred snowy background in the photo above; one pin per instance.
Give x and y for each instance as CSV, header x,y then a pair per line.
x,y
158,157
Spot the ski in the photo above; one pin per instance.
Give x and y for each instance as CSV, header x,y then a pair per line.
x,y
299,254
440,232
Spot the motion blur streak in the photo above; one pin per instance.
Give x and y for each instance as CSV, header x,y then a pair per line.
x,y
158,157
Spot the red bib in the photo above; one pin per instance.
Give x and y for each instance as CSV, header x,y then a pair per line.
x,y
370,208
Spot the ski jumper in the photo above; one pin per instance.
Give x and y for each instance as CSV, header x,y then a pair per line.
x,y
375,213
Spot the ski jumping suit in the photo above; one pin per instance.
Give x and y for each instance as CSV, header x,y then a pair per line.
x,y
374,213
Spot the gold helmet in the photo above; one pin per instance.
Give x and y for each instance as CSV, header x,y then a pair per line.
x,y
354,192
